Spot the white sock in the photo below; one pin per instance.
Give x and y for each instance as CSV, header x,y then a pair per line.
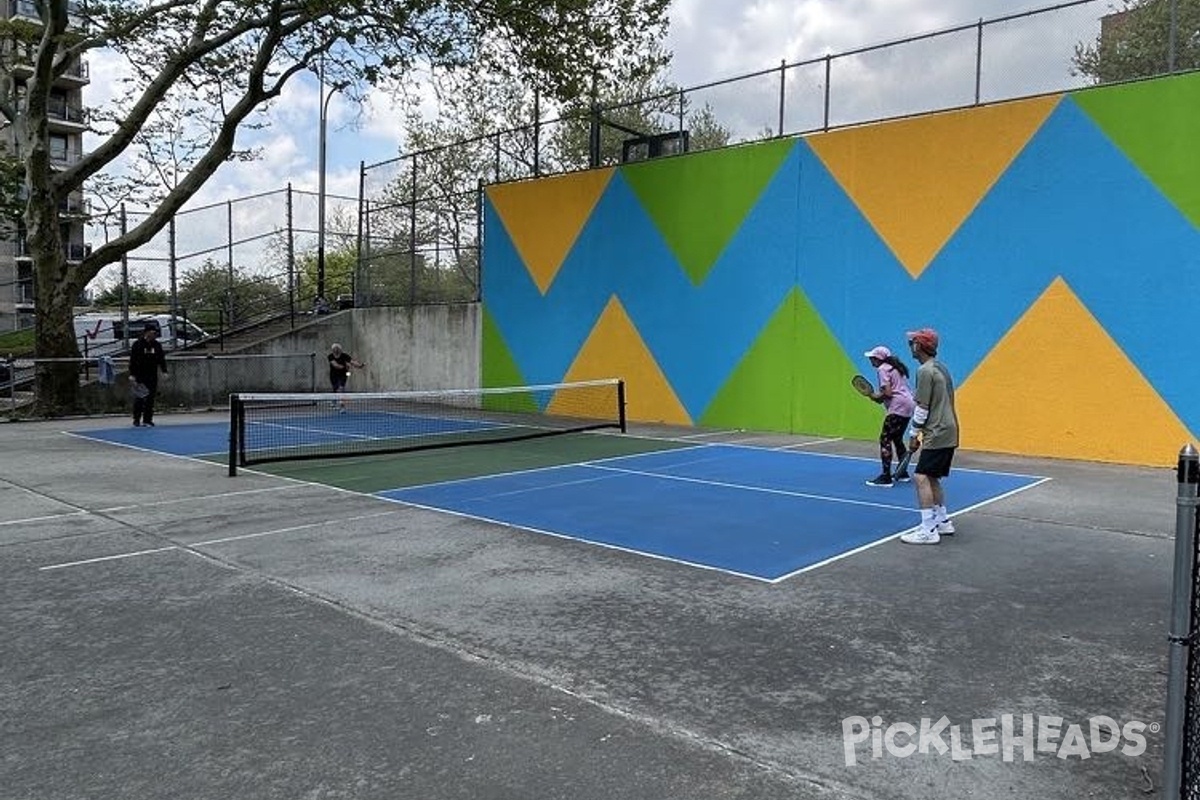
x,y
927,520
939,514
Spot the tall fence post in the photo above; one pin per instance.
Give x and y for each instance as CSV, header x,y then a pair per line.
x,y
828,77
173,277
537,131
1179,635
412,238
291,259
124,282
782,93
229,243
12,386
1173,37
208,360
978,60
364,208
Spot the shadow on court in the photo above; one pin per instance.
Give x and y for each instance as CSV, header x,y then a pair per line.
x,y
173,632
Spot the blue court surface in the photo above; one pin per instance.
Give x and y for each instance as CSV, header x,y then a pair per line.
x,y
198,439
753,512
284,432
764,514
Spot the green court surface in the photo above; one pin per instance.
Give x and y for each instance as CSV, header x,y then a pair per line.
x,y
375,473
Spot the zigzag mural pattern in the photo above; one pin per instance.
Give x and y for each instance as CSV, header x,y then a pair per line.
x,y
1071,206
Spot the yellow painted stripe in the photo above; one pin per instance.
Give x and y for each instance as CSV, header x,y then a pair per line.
x,y
544,217
615,349
1058,385
917,180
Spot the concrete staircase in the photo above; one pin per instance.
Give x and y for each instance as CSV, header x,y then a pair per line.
x,y
248,337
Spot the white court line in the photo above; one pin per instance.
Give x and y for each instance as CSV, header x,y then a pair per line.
x,y
704,435
579,539
84,512
889,537
873,459
45,518
763,489
541,488
532,470
808,444
305,526
178,500
116,557
339,435
210,542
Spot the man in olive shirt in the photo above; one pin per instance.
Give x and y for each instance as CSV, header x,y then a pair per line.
x,y
935,432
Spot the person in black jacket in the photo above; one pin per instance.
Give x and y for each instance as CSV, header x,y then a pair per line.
x,y
146,358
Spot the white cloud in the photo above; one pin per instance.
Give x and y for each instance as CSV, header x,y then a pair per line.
x,y
712,40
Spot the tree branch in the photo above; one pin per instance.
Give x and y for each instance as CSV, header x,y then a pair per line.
x,y
217,153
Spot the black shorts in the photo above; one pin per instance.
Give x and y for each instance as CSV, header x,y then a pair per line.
x,y
935,463
337,383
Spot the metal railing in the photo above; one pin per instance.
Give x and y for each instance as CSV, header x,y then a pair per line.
x,y
192,383
988,60
409,208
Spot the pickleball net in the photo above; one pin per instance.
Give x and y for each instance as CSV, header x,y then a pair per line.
x,y
267,427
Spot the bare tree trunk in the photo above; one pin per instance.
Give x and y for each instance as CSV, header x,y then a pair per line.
x,y
56,286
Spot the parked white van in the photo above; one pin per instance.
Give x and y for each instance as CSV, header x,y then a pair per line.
x,y
103,334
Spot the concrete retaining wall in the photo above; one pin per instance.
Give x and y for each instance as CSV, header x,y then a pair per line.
x,y
427,347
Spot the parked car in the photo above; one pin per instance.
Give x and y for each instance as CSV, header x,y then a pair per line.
x,y
107,334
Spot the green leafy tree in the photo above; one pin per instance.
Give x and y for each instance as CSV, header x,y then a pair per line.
x,y
339,274
489,128
226,60
1136,42
215,297
141,293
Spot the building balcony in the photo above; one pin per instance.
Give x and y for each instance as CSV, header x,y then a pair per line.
x,y
18,56
59,110
19,248
64,158
74,207
27,9
23,293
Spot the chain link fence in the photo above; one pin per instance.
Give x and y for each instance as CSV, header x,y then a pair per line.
x,y
421,228
235,264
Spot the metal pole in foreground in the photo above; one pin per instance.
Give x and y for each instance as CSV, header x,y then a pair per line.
x,y
1179,632
321,184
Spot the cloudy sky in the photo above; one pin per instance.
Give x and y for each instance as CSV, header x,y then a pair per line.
x,y
713,40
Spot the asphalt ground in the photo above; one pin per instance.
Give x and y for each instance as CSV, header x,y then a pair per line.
x,y
170,631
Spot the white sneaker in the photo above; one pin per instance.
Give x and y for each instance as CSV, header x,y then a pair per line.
x,y
946,528
921,536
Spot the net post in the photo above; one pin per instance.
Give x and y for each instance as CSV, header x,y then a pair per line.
x,y
1180,625
235,433
621,403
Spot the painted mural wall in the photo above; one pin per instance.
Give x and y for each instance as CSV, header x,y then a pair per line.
x,y
1054,242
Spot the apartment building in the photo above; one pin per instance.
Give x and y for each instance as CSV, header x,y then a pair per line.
x,y
67,125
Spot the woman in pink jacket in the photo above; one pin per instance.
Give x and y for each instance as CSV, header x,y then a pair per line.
x,y
895,396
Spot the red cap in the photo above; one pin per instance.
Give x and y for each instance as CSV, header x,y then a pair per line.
x,y
927,338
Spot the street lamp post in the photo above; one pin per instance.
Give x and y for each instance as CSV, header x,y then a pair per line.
x,y
321,184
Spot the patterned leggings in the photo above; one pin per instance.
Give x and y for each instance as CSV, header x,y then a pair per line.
x,y
891,436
